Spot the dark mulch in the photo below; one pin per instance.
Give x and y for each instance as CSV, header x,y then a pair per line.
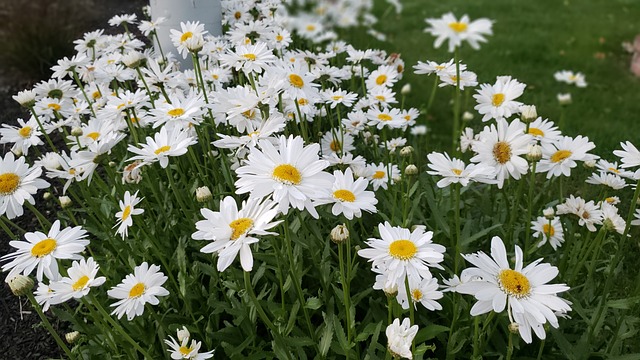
x,y
22,337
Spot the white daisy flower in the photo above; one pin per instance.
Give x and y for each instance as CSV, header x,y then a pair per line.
x,y
190,37
613,168
548,230
137,289
560,157
442,69
127,210
249,58
383,76
630,156
231,230
467,79
497,101
18,183
349,196
81,278
611,180
163,144
43,251
636,221
424,292
22,137
454,171
380,176
385,117
544,131
292,174
530,301
589,214
334,142
182,111
181,349
571,78
456,31
611,219
400,337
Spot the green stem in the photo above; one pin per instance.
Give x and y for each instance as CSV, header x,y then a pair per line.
x,y
456,255
44,223
532,184
510,346
46,136
345,295
411,310
48,326
432,97
541,349
456,106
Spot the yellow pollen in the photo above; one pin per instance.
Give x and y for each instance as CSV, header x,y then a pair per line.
x,y
344,195
586,215
335,145
251,57
311,27
337,98
385,117
514,283
560,155
497,99
9,183
81,283
72,171
93,135
237,15
548,230
536,132
120,106
239,227
610,200
614,170
287,174
184,350
249,113
380,98
186,36
502,152
303,101
379,175
458,26
162,149
247,41
137,290
454,78
296,80
25,132
439,67
399,68
416,295
456,171
176,112
279,38
96,95
54,106
44,247
403,249
381,79
126,212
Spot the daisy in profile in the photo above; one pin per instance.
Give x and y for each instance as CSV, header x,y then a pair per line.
x,y
424,292
181,349
402,253
524,291
232,231
163,144
456,31
291,173
629,155
454,171
548,230
41,251
497,101
137,289
611,180
612,168
81,278
382,175
18,183
501,147
571,78
349,197
44,296
400,337
127,210
589,213
560,157
611,219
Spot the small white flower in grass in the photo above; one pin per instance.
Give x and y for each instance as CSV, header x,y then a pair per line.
x,y
81,278
611,220
544,131
333,142
424,292
524,291
164,143
181,349
571,78
611,180
127,210
548,230
137,289
182,111
384,75
400,337
456,31
497,101
44,296
43,251
18,183
232,231
349,196
558,158
22,137
379,175
249,58
589,214
190,37
630,156
454,171
432,67
564,99
467,79
613,168
402,253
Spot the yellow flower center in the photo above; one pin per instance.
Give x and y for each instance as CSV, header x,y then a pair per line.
x,y
176,112
54,106
560,155
497,99
586,215
162,149
614,170
137,290
126,212
403,249
81,283
296,80
72,171
379,174
303,101
381,98
279,38
416,295
344,195
548,230
184,350
9,183
514,283
502,152
456,171
25,132
237,15
385,117
381,79
536,132
287,174
458,26
337,98
249,113
44,247
335,145
186,36
96,95
311,27
251,57
610,200
240,226
93,135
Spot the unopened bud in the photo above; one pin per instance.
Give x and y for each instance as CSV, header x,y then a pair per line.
x,y
406,151
72,337
406,89
17,152
467,116
20,285
564,99
112,164
46,195
549,213
422,228
513,328
339,234
65,201
535,153
77,131
411,170
608,225
589,164
528,113
391,291
183,334
203,194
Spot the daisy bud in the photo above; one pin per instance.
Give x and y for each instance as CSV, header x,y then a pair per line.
x,y
423,228
65,201
339,234
50,161
513,328
564,99
72,337
133,59
391,291
17,152
467,116
535,153
609,225
411,170
528,113
183,334
26,98
203,194
20,285
406,151
77,131
589,164
549,213
406,89
46,195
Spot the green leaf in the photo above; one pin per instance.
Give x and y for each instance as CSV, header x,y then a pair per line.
x,y
429,332
313,303
325,338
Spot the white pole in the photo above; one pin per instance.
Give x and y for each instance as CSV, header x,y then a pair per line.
x,y
207,12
